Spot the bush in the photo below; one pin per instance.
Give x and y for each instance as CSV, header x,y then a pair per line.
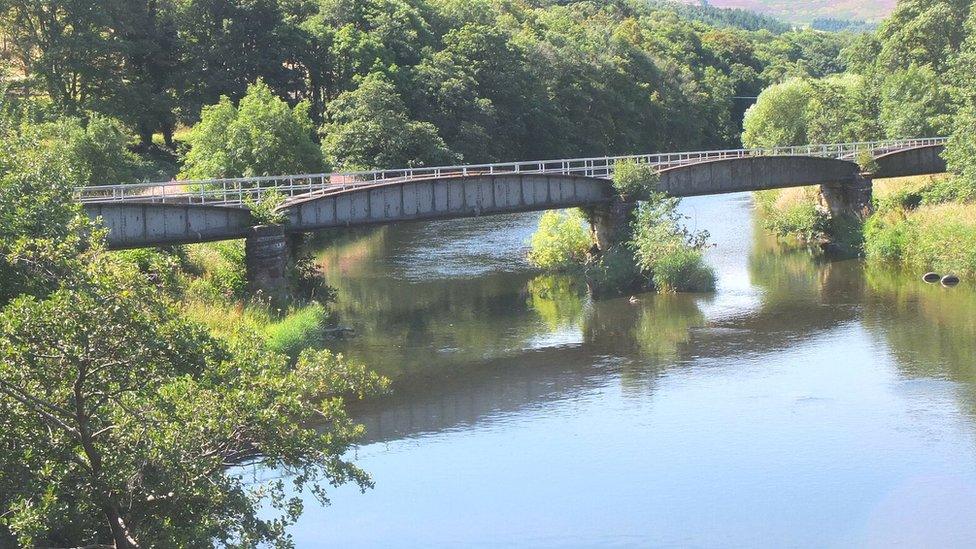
x,y
265,211
667,251
615,272
792,213
561,241
220,271
683,270
633,180
101,148
885,236
261,136
941,238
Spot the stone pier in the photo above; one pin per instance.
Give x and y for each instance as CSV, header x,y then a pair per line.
x,y
851,199
610,222
267,255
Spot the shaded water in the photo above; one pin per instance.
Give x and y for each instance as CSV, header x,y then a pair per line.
x,y
804,403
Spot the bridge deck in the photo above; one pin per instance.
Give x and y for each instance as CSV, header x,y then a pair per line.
x,y
238,191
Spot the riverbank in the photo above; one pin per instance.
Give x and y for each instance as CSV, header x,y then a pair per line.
x,y
209,281
925,223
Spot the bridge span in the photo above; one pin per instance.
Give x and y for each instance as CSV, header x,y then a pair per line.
x,y
151,214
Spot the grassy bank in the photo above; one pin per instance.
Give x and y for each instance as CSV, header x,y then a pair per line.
x,y
210,280
916,226
925,223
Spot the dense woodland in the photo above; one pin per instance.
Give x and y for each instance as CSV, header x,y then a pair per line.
x,y
472,81
132,383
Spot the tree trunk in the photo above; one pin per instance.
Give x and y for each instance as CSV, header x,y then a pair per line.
x,y
120,532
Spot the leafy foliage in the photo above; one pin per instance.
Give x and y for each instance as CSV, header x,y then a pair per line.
x,y
370,128
123,423
260,136
477,81
779,116
144,412
664,247
265,211
633,180
561,241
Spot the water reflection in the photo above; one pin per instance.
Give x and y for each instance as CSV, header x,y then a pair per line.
x,y
805,403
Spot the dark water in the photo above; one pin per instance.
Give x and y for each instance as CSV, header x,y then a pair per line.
x,y
805,403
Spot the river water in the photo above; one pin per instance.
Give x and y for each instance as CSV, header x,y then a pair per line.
x,y
805,403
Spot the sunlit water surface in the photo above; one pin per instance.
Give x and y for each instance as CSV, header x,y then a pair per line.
x,y
805,403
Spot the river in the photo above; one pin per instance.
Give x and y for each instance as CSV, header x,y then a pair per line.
x,y
805,403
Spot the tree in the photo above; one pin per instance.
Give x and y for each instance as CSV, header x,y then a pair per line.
x,y
841,110
225,45
68,45
122,423
370,128
779,116
961,150
475,91
922,32
260,136
914,103
150,53
561,242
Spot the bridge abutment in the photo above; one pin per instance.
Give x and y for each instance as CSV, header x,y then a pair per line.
x,y
610,223
267,256
850,199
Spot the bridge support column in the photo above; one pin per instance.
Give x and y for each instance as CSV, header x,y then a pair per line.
x,y
851,199
610,223
267,255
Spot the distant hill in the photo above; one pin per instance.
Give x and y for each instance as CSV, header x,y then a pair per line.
x,y
721,17
805,11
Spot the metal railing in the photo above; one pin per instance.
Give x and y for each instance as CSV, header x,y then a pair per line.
x,y
241,190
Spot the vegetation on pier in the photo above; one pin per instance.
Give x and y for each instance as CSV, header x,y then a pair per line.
x,y
650,249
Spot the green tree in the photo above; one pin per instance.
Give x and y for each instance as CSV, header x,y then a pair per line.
x,y
68,45
260,136
150,50
123,424
124,421
224,46
370,128
922,32
476,91
961,150
914,103
841,110
779,116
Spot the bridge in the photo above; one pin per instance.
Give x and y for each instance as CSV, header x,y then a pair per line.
x,y
180,212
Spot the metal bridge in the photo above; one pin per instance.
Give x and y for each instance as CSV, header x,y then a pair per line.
x,y
244,190
178,212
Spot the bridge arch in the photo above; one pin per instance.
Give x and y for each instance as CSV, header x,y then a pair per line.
x,y
925,160
140,224
754,173
445,197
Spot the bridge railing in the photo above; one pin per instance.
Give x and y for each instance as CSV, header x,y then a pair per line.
x,y
239,191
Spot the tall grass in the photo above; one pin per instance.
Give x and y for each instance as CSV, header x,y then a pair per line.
x,y
288,332
793,213
940,237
